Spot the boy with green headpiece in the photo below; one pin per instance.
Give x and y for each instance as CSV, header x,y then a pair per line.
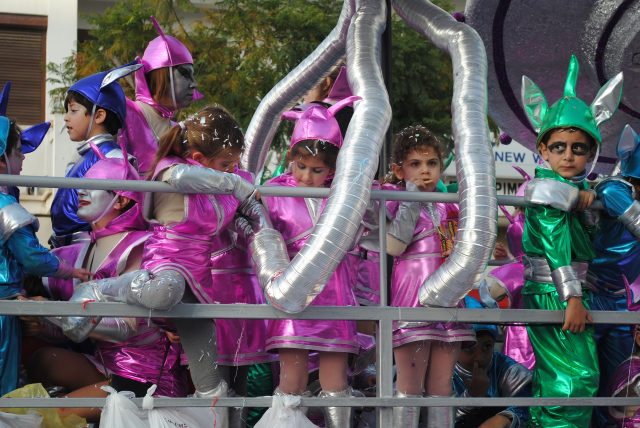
x,y
558,247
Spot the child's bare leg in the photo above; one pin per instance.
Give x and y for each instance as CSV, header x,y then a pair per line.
x,y
91,414
333,380
294,371
438,381
412,361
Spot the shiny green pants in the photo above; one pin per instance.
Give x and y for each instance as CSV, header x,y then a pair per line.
x,y
566,366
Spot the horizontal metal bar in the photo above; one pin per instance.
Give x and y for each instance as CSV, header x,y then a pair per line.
x,y
337,402
242,311
160,187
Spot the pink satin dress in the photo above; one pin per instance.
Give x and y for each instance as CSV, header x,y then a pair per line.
x,y
295,218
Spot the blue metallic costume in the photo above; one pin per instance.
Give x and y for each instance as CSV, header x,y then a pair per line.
x,y
65,203
507,379
617,251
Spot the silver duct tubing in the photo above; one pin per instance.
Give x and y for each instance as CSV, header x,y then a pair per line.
x,y
305,277
300,80
474,158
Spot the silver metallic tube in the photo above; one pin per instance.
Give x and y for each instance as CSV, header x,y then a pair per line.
x,y
196,179
567,282
336,417
357,162
475,166
300,80
545,191
631,219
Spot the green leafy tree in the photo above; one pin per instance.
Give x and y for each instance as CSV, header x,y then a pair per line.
x,y
242,48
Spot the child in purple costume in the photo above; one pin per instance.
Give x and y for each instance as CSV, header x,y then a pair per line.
x,y
315,142
421,237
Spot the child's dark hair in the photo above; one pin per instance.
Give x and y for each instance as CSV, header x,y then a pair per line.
x,y
412,138
111,122
547,135
14,136
210,131
324,150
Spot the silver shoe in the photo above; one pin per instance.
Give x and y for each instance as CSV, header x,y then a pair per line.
x,y
407,416
336,417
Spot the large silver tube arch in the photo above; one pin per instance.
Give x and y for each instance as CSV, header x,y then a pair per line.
x,y
300,80
305,277
475,166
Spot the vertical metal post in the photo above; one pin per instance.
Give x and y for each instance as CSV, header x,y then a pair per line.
x,y
384,352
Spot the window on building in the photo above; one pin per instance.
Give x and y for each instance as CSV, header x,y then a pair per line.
x,y
23,50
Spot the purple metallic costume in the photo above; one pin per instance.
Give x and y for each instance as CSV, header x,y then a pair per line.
x,y
626,376
294,218
187,246
240,342
420,259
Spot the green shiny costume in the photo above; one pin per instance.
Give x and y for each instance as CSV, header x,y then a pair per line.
x,y
566,363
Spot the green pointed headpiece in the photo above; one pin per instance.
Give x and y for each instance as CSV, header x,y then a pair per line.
x,y
571,111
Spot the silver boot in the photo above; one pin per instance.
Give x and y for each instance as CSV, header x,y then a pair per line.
x,y
220,414
407,416
440,417
336,417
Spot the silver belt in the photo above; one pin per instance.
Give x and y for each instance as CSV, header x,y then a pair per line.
x,y
537,269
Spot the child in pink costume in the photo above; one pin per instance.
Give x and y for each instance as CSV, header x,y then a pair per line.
x,y
164,84
131,354
315,142
421,237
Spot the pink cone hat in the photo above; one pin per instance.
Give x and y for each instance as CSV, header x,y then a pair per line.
x,y
115,169
163,51
340,89
318,122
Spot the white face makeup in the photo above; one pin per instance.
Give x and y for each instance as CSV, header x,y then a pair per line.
x,y
184,83
93,204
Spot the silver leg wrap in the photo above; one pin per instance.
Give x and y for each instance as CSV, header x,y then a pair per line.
x,y
221,413
161,291
440,417
336,417
407,416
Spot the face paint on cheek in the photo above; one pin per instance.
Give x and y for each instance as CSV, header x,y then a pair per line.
x,y
184,84
93,204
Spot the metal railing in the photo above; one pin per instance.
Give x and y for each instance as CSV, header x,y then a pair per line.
x,y
383,315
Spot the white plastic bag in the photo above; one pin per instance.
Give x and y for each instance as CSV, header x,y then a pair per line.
x,y
184,417
12,420
285,413
120,412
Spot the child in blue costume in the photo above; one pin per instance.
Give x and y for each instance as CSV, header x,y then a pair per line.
x,y
617,247
483,372
557,245
95,111
20,253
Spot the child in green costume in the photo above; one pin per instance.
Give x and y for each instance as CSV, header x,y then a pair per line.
x,y
558,246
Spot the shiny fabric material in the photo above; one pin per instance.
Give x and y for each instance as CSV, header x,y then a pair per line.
x,y
406,417
135,349
571,111
293,218
196,178
507,378
421,258
65,203
365,265
103,90
516,339
440,417
628,151
562,196
186,246
139,137
626,376
20,250
567,282
566,366
631,219
10,347
514,235
317,122
340,88
336,417
240,341
475,168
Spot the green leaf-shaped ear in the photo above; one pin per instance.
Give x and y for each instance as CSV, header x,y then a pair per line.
x,y
534,102
606,101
